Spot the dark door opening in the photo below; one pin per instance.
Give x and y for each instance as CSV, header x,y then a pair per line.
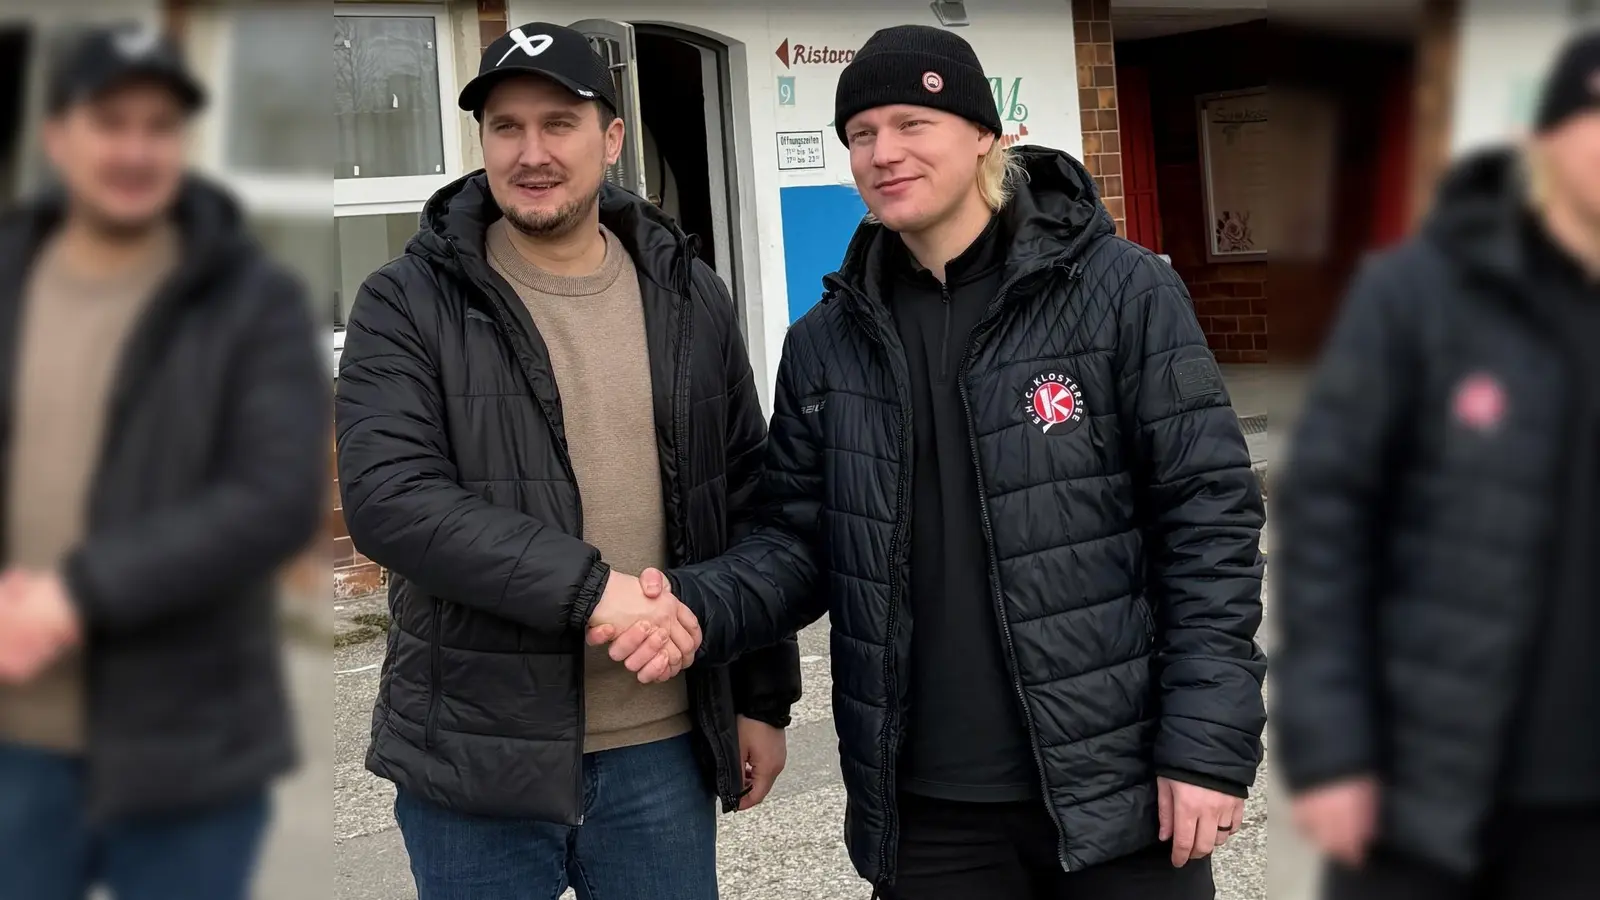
x,y
14,45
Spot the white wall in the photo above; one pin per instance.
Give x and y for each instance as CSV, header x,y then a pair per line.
x,y
1503,53
1027,39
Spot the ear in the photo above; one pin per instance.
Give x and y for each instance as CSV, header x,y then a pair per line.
x,y
986,139
614,133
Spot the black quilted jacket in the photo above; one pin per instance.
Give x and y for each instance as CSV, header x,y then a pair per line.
x,y
1123,539
1414,548
454,474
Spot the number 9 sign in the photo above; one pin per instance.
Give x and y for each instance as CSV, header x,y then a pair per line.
x,y
785,90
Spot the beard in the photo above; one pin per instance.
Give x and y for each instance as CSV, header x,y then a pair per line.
x,y
558,223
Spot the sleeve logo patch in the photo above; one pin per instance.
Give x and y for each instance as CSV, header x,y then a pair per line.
x,y
1053,402
1197,378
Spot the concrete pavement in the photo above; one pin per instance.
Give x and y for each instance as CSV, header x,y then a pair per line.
x,y
789,848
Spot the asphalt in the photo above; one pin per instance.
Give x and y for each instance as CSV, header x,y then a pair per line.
x,y
788,848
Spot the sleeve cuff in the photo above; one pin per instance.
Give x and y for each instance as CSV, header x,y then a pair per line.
x,y
1220,785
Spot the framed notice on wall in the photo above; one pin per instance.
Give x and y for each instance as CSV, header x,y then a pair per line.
x,y
1234,158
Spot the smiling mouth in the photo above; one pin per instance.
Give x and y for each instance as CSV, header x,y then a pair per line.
x,y
538,185
894,182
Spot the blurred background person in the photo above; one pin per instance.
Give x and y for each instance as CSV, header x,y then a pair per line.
x,y
163,429
1437,685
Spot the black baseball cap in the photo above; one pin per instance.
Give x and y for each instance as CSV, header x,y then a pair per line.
x,y
552,51
104,57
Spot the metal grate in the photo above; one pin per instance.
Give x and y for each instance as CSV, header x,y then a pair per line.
x,y
1256,424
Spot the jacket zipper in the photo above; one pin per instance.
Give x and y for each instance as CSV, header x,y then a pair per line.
x,y
892,704
944,342
680,452
565,454
994,585
435,650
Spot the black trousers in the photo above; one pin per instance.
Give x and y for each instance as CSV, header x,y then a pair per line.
x,y
1528,855
1007,851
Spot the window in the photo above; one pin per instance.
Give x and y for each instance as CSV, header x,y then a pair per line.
x,y
363,245
396,128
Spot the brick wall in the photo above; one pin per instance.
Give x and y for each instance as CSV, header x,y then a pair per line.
x,y
1230,298
1097,102
1435,86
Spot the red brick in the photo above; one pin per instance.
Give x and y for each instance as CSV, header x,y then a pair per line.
x,y
357,581
1104,76
1088,119
492,7
1101,10
1236,307
1091,143
1111,186
1088,99
1250,356
1225,325
1258,306
1253,324
1205,323
1101,32
1082,10
1261,341
1108,97
1081,33
1241,342
343,552
1229,357
1107,54
1108,120
1249,289
333,524
1114,206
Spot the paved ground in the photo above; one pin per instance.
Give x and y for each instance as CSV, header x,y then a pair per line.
x,y
788,848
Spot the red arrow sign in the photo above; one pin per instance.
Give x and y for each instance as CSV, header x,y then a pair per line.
x,y
783,52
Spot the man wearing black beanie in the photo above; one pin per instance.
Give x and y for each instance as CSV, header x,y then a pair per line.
x,y
1438,686
1002,460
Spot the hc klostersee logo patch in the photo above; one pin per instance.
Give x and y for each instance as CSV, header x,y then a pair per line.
x,y
1053,402
1479,402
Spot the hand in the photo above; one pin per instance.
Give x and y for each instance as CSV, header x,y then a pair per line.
x,y
1341,818
764,750
1197,820
651,632
37,623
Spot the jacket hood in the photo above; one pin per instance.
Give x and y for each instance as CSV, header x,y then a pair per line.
x,y
457,217
1054,214
1478,213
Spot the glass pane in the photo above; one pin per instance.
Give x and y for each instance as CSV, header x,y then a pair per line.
x,y
364,244
301,243
386,97
277,86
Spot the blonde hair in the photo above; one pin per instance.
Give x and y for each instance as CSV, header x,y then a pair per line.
x,y
999,172
1536,175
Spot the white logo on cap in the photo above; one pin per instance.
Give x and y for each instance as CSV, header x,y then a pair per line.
x,y
134,44
526,44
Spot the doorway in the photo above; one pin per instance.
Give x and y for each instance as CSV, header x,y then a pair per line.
x,y
14,57
680,107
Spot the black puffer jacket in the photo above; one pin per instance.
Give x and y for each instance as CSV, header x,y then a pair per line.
x,y
1414,548
1123,548
454,473
214,474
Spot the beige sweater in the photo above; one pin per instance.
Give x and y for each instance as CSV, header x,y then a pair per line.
x,y
594,328
73,333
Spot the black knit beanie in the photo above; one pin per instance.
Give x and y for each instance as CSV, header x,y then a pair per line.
x,y
1573,85
917,65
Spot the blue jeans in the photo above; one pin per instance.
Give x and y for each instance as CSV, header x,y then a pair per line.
x,y
48,851
649,833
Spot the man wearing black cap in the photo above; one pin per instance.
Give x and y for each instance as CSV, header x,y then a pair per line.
x,y
547,391
1003,462
163,429
1438,687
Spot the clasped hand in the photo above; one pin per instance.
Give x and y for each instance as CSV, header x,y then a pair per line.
x,y
37,623
649,629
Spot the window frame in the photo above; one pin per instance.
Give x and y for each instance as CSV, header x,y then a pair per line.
x,y
373,194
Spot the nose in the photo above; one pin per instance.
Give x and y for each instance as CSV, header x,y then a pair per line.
x,y
534,153
887,149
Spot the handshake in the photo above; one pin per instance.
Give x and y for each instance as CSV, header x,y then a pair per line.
x,y
649,630
37,624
